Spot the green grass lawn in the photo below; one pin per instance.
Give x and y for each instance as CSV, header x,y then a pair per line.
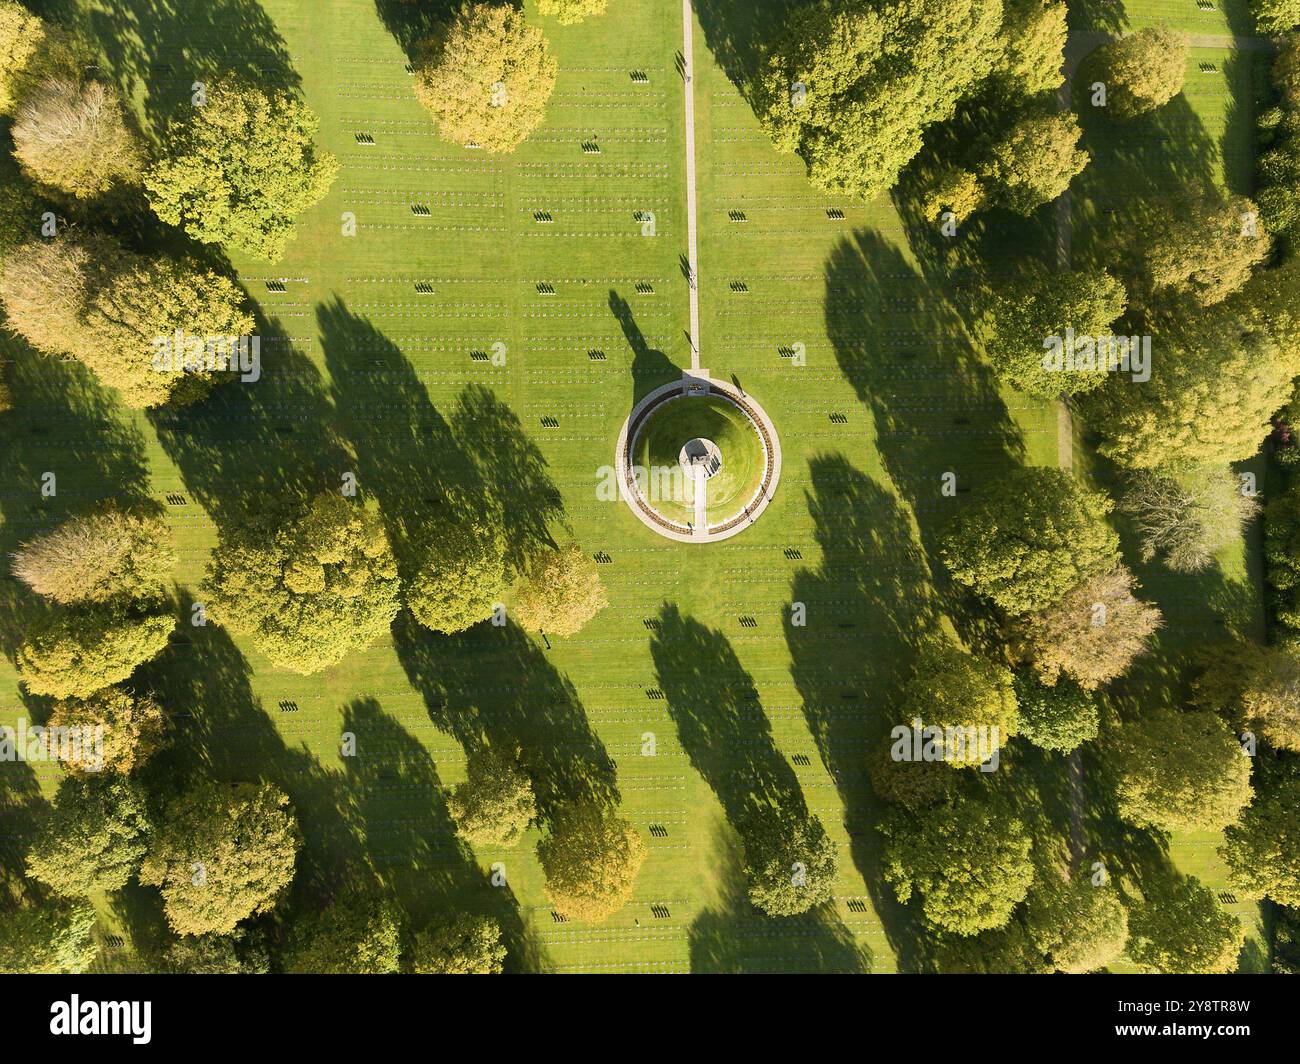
x,y
849,327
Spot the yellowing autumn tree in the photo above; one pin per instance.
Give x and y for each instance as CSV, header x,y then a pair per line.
x,y
559,592
74,137
487,77
222,852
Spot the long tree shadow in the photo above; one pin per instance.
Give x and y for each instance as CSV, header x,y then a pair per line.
x,y
219,729
426,471
409,836
258,444
720,720
493,686
940,418
868,608
155,50
730,938
415,25
740,35
66,448
650,368
22,808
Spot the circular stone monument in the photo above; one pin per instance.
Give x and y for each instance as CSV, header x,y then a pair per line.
x,y
698,460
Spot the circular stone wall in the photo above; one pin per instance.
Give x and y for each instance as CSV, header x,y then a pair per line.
x,y
723,492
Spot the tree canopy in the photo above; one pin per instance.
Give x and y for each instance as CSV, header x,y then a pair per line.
x,y
852,86
354,935
1078,926
1216,381
132,729
1033,34
495,805
952,688
568,12
968,862
487,76
222,852
54,938
464,945
559,592
1180,928
461,580
94,839
1031,313
1178,771
1060,718
74,137
1027,537
1034,161
591,858
1142,70
90,298
790,861
1092,635
107,554
1262,850
309,589
1187,518
238,169
85,648
1205,248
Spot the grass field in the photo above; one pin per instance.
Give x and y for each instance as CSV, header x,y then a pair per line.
x,y
848,325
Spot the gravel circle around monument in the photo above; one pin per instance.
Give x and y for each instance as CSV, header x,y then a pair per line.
x,y
698,460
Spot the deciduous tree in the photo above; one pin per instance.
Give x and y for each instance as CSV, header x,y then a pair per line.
x,y
94,839
1187,518
354,935
790,861
461,580
951,688
1034,161
222,852
495,805
1080,927
132,729
1263,849
1204,248
86,648
1217,381
1033,316
1093,634
1178,771
559,592
1179,928
591,858
1060,718
464,945
567,12
968,863
240,168
1141,71
110,553
73,136
852,86
308,589
1028,537
487,77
